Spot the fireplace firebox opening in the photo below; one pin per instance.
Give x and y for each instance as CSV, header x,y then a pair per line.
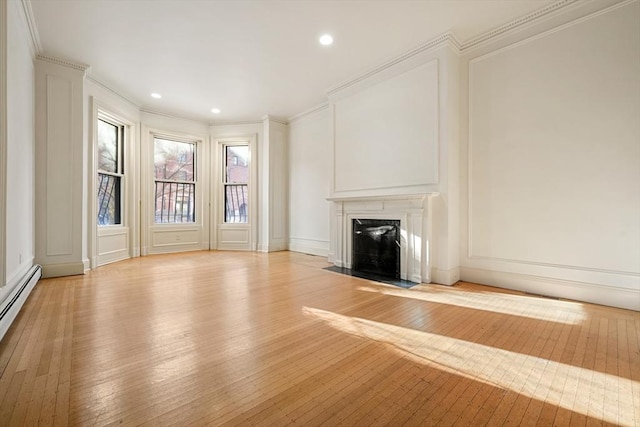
x,y
376,247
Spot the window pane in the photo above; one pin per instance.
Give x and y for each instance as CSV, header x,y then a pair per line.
x,y
236,203
174,160
108,200
237,164
175,202
107,147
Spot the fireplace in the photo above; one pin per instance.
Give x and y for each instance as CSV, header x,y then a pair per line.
x,y
376,247
413,233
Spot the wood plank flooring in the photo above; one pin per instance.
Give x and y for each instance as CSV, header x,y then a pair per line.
x,y
222,338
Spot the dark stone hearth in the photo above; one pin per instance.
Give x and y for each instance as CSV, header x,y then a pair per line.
x,y
377,278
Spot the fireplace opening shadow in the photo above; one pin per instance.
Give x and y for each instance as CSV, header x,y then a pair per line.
x,y
370,276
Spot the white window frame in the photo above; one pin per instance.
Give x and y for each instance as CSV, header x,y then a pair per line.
x,y
102,239
223,179
196,184
173,237
233,236
120,169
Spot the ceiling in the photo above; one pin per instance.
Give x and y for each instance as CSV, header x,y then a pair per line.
x,y
249,58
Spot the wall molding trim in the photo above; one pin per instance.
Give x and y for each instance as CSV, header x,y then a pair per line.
x,y
564,267
573,290
445,277
33,29
66,269
266,248
309,246
64,62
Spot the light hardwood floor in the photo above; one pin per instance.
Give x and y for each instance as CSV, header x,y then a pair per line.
x,y
225,338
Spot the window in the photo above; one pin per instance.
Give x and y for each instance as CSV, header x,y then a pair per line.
x,y
110,172
175,181
235,183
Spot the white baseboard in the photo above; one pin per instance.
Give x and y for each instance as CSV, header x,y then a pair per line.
x,y
272,247
588,292
445,277
309,246
111,257
11,306
59,270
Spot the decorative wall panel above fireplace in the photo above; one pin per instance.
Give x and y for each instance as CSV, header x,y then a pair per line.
x,y
414,213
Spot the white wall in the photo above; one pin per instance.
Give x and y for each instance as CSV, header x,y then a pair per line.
x,y
309,175
20,187
273,175
553,162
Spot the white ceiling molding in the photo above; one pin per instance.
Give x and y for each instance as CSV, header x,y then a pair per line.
x,y
275,119
447,39
451,40
172,116
513,25
555,29
116,93
64,62
33,29
308,112
236,123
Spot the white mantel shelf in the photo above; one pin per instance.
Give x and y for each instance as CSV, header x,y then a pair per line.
x,y
414,213
418,196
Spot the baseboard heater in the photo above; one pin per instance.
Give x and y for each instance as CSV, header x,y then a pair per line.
x,y
11,306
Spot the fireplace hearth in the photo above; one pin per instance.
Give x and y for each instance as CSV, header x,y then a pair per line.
x,y
376,247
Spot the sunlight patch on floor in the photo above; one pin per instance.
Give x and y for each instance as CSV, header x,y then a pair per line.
x,y
514,305
603,396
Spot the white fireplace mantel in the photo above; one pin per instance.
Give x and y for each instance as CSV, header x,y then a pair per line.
x,y
414,213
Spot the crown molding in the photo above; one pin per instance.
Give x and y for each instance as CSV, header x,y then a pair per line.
x,y
555,29
113,91
446,39
33,29
275,119
236,123
308,112
450,39
515,24
172,116
64,62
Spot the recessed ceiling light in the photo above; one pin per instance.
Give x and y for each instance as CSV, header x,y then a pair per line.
x,y
326,40
215,110
156,95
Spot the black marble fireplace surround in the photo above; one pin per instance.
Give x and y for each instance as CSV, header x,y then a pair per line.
x,y
376,247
